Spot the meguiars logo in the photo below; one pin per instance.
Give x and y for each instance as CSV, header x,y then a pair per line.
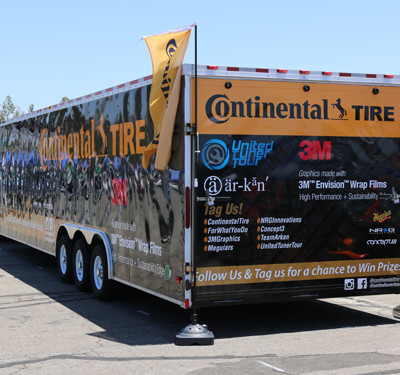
x,y
382,217
219,109
166,81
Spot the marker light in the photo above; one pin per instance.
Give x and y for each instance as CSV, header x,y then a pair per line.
x,y
188,211
348,241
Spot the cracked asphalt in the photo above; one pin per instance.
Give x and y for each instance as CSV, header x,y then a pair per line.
x,y
48,327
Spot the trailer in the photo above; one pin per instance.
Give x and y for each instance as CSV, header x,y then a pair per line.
x,y
282,185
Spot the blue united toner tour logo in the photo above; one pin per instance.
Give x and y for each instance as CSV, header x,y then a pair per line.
x,y
215,154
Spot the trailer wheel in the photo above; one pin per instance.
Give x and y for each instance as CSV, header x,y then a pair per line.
x,y
81,265
101,284
64,259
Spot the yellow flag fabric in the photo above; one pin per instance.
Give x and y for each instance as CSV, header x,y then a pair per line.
x,y
167,52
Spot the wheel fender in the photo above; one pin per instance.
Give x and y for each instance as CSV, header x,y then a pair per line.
x,y
89,234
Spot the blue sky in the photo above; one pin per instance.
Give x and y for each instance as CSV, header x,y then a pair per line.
x,y
52,49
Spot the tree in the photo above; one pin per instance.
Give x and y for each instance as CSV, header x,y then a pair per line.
x,y
9,109
64,99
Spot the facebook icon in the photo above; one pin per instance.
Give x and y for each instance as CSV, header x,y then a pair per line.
x,y
362,283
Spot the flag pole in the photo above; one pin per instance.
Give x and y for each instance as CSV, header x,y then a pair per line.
x,y
196,145
194,333
195,80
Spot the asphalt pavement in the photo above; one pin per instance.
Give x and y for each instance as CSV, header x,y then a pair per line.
x,y
48,327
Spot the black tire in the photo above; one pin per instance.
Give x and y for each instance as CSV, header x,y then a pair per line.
x,y
64,259
81,265
101,284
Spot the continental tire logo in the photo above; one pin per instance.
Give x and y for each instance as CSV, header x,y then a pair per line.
x,y
220,109
170,49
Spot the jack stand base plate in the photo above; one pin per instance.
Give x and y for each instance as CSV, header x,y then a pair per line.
x,y
194,334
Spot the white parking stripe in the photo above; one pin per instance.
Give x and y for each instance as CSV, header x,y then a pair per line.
x,y
270,366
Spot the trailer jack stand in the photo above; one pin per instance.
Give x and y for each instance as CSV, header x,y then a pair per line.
x,y
194,334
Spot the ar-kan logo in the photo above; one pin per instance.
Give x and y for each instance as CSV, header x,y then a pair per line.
x,y
215,153
214,185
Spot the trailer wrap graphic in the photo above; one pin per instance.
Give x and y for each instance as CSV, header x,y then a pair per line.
x,y
82,165
296,189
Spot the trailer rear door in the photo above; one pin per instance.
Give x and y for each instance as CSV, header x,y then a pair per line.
x,y
297,190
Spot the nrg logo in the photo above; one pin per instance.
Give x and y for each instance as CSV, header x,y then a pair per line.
x,y
315,150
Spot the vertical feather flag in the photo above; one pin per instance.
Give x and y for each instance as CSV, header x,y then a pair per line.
x,y
167,51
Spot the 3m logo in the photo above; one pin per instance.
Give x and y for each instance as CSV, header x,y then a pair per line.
x,y
119,196
315,150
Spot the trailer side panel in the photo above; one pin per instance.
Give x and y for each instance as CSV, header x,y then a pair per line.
x,y
81,167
